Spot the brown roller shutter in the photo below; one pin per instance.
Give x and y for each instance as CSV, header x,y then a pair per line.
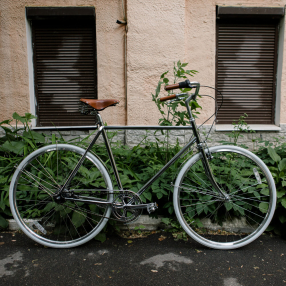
x,y
64,68
246,71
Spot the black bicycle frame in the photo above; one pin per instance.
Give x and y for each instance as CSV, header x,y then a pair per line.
x,y
102,130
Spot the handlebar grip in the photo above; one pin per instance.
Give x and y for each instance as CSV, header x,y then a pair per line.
x,y
183,84
172,86
172,96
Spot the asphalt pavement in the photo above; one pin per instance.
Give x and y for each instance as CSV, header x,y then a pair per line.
x,y
155,260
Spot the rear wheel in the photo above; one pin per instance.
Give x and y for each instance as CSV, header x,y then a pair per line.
x,y
57,222
214,221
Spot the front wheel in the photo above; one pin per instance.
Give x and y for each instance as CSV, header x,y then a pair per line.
x,y
225,223
57,222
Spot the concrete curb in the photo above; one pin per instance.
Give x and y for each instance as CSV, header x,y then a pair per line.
x,y
150,224
144,220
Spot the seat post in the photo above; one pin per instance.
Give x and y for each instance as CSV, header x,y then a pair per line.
x,y
99,119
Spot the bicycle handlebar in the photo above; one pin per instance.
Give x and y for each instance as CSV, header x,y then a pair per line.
x,y
183,84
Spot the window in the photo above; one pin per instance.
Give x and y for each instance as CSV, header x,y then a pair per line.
x,y
64,60
246,66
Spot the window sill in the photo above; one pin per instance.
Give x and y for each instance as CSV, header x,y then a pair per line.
x,y
61,128
255,127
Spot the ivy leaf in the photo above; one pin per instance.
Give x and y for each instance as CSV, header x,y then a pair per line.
x,y
18,117
165,220
101,237
263,207
3,222
14,146
6,122
280,194
270,228
282,164
167,205
256,194
158,88
272,153
199,223
30,116
170,209
283,203
165,80
159,195
78,219
148,196
163,74
34,135
228,206
282,218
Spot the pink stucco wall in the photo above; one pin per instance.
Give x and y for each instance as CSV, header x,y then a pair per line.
x,y
166,31
159,33
14,72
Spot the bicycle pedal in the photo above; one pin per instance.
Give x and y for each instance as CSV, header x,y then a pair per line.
x,y
152,207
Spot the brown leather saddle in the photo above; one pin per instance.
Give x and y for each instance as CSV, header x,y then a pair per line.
x,y
100,104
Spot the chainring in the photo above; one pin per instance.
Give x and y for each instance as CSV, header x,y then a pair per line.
x,y
119,210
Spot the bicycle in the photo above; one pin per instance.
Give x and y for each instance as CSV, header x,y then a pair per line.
x,y
62,195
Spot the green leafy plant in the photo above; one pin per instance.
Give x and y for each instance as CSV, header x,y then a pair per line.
x,y
174,112
173,226
17,143
136,165
171,114
239,127
139,228
275,159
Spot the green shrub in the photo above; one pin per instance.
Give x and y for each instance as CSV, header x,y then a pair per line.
x,y
135,165
275,159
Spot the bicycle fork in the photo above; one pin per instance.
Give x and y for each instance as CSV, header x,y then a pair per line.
x,y
200,147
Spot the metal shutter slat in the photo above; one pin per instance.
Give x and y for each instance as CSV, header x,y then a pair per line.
x,y
246,56
65,70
